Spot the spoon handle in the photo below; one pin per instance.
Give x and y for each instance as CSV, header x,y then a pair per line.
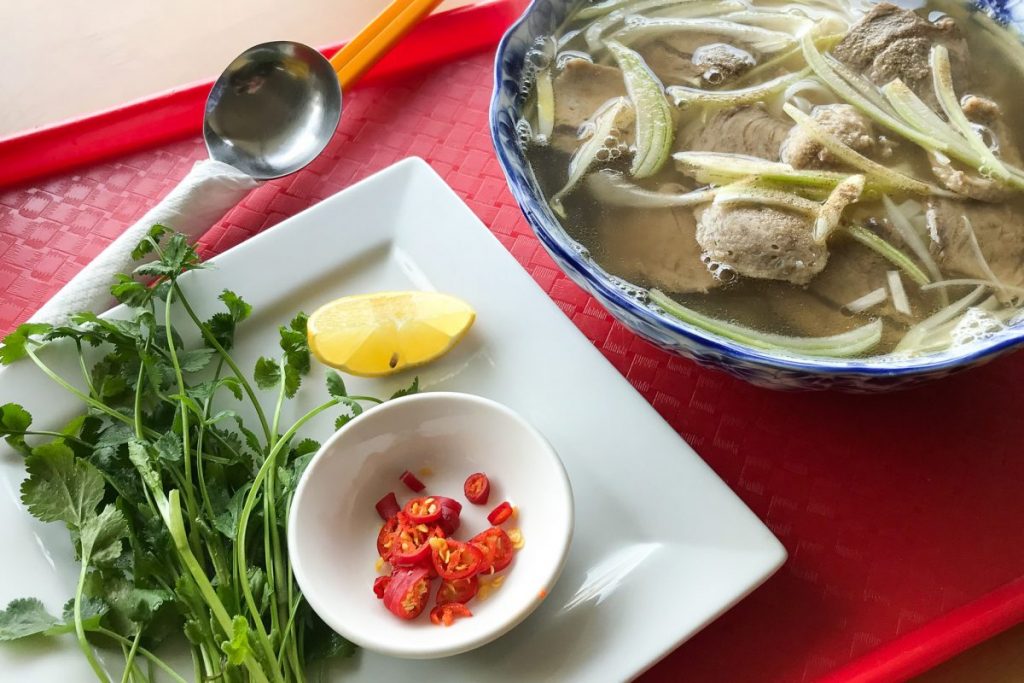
x,y
202,197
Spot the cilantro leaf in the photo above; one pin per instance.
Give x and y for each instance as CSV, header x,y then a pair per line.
x,y
145,246
336,385
61,487
195,360
292,380
237,649
25,617
176,257
238,309
411,389
169,447
354,409
227,521
267,373
127,290
12,347
13,420
101,536
222,327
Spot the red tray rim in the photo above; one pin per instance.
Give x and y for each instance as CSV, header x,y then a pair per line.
x,y
177,113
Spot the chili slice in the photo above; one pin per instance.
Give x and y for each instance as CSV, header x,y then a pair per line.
x,y
455,559
450,511
380,584
388,507
447,613
410,544
407,592
410,480
384,537
500,513
459,590
496,546
477,488
423,510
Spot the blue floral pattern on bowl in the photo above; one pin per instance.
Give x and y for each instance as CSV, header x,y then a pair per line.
x,y
541,18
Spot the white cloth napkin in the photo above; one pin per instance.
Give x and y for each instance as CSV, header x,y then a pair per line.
x,y
203,196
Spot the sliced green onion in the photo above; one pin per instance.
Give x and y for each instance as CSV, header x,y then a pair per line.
x,y
598,9
851,343
848,155
595,32
647,28
909,235
654,129
745,193
899,295
615,190
919,115
888,252
605,121
916,334
860,84
545,105
723,168
778,60
682,94
968,281
848,93
869,300
982,261
942,80
765,18
844,194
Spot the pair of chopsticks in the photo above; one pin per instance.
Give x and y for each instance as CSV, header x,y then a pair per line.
x,y
379,36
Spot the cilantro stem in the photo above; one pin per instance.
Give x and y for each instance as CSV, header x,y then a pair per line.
x,y
212,341
44,432
88,400
83,644
190,502
129,663
152,658
272,550
247,507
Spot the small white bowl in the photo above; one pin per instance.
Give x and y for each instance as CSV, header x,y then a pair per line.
x,y
332,530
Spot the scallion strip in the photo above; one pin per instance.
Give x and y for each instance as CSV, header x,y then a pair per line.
x,y
605,121
850,156
744,192
844,194
839,86
545,105
968,281
888,252
682,94
909,235
850,343
647,28
654,128
615,190
914,111
869,300
899,295
778,60
912,339
595,32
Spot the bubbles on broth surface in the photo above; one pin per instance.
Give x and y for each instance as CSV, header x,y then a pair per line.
x,y
524,132
976,325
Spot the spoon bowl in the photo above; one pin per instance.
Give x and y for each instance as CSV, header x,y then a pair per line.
x,y
273,110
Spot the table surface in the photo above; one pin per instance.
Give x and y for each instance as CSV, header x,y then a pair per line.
x,y
126,50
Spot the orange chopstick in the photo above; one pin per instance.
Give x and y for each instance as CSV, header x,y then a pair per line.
x,y
379,36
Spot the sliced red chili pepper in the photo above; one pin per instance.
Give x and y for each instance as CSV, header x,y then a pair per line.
x,y
447,613
500,513
477,488
450,511
496,547
410,480
410,546
407,592
459,590
455,559
423,510
384,538
380,584
388,507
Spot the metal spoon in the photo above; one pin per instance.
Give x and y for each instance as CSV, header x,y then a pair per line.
x,y
273,110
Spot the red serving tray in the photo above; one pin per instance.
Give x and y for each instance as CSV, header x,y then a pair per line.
x,y
901,512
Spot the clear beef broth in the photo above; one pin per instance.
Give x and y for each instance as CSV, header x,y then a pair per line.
x,y
769,278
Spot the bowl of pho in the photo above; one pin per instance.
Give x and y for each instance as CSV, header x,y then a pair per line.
x,y
807,194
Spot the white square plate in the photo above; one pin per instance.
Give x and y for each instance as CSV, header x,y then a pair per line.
x,y
662,547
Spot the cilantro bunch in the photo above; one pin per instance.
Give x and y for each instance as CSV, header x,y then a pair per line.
x,y
176,507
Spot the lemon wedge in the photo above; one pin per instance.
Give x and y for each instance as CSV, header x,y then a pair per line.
x,y
372,335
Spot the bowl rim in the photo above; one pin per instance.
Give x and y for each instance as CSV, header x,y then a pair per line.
x,y
560,485
599,282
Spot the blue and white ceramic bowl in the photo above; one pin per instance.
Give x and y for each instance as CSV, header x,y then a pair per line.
x,y
541,18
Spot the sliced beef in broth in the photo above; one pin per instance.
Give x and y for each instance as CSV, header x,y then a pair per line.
x,y
749,130
654,246
721,62
760,242
671,66
989,116
999,229
800,150
695,59
580,90
890,42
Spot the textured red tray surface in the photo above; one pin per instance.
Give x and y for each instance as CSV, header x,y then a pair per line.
x,y
895,509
